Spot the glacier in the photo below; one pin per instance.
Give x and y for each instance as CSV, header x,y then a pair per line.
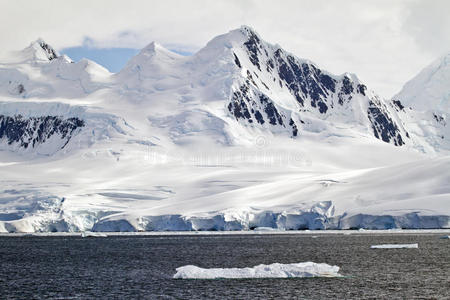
x,y
239,136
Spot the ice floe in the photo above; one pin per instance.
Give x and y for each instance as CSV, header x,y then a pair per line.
x,y
264,229
276,270
395,246
93,234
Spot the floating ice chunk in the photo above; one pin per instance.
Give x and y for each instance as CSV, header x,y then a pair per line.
x,y
265,229
276,270
93,234
394,246
445,237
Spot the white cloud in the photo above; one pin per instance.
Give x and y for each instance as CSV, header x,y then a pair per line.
x,y
384,42
429,24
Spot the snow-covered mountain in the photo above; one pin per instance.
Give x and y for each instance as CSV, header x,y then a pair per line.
x,y
241,134
39,71
264,87
426,101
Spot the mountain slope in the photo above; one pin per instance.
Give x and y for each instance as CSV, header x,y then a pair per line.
x,y
424,103
429,90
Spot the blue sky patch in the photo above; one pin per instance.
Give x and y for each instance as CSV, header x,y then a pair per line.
x,y
114,59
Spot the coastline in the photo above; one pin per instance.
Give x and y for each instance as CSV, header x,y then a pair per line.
x,y
237,232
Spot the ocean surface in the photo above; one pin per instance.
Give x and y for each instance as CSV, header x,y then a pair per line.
x,y
141,267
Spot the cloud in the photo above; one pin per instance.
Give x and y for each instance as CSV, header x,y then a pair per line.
x,y
384,42
428,23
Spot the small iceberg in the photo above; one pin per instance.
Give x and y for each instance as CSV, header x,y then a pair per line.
x,y
276,270
85,234
445,237
265,229
395,246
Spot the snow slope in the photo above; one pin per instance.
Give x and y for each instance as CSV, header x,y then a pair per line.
x,y
429,90
426,98
240,135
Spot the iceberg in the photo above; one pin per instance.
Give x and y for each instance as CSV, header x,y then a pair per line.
x,y
445,237
275,270
394,246
93,234
265,229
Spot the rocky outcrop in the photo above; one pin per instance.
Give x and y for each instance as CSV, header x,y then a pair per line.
x,y
33,131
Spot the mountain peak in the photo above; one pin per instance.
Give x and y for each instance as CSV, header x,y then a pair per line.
x,y
429,88
39,51
43,51
154,47
247,30
153,60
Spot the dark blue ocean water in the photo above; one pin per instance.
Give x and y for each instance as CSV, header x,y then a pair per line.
x,y
141,267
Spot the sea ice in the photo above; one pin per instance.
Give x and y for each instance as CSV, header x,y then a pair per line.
x,y
276,270
394,246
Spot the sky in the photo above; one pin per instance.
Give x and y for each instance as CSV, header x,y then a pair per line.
x,y
384,42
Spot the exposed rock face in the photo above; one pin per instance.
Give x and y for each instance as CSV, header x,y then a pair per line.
x,y
50,52
32,131
384,127
253,106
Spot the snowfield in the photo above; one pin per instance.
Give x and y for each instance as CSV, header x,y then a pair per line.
x,y
242,135
276,270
